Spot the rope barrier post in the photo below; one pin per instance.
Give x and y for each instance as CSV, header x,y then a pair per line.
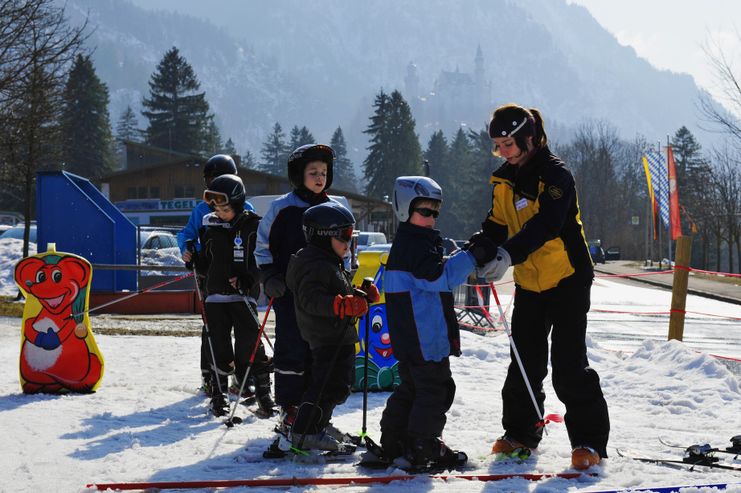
x,y
679,287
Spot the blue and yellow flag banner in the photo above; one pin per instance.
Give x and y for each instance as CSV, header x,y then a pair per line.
x,y
659,182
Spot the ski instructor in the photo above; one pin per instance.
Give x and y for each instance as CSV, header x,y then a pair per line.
x,y
534,218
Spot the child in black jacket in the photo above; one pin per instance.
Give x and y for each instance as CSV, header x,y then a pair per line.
x,y
326,308
232,288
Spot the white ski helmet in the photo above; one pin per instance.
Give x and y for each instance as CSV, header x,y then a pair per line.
x,y
407,189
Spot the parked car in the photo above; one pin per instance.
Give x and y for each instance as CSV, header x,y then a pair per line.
x,y
157,240
16,232
612,253
366,239
378,247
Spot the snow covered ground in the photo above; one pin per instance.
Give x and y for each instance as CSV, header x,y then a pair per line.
x,y
147,422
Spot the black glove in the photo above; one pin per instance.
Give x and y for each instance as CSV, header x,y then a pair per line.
x,y
482,248
275,286
191,247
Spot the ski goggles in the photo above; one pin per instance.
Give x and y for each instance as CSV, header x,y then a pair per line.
x,y
426,212
345,234
215,198
342,234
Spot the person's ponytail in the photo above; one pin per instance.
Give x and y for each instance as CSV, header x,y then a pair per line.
x,y
540,139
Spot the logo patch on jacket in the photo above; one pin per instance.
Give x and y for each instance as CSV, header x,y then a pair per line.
x,y
555,192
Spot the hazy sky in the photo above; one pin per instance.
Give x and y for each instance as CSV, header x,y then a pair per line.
x,y
671,34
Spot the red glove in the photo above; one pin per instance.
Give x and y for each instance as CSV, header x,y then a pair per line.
x,y
350,306
372,294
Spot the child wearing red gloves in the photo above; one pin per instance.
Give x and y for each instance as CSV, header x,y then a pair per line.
x,y
327,307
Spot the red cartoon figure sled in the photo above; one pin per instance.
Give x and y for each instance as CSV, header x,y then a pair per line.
x,y
58,351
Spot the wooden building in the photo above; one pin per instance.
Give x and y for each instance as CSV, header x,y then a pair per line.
x,y
160,187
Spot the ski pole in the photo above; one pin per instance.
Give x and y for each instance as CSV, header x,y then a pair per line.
x,y
265,334
229,422
214,368
364,286
517,355
369,443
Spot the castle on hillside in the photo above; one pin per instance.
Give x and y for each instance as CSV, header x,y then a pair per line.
x,y
456,98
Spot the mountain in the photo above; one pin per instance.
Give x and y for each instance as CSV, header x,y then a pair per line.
x,y
320,63
246,93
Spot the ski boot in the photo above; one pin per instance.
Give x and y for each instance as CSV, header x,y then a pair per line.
x,y
341,436
263,393
287,417
424,454
315,441
507,447
248,391
219,404
583,457
206,386
382,456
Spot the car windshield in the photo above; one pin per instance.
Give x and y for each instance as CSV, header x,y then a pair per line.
x,y
16,232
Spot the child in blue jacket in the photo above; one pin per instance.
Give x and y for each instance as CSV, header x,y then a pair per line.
x,y
423,327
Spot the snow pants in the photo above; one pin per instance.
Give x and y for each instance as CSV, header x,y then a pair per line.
x,y
292,356
222,317
562,312
418,405
332,379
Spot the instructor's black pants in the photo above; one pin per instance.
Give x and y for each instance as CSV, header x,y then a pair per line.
x,y
562,312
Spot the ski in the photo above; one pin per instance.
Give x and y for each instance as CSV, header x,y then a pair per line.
x,y
674,489
373,463
734,449
281,448
692,462
329,481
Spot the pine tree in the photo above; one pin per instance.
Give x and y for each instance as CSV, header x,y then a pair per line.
x,y
394,148
127,127
87,142
694,181
178,113
274,152
343,171
229,147
436,156
248,160
212,138
476,187
299,137
691,167
458,180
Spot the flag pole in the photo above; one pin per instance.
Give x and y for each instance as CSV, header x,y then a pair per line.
x,y
669,228
658,201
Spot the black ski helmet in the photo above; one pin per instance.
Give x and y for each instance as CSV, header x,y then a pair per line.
x,y
326,220
219,164
305,154
226,189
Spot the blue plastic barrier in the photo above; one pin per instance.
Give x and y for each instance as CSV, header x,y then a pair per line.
x,y
72,213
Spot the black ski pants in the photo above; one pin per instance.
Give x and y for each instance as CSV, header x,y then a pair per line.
x,y
418,405
292,356
222,317
562,312
330,377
